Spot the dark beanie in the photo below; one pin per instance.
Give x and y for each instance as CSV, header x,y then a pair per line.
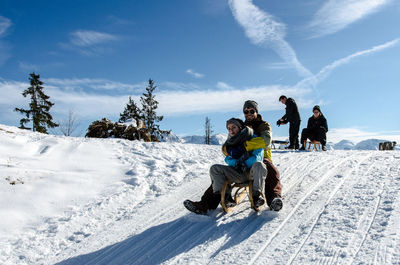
x,y
282,97
316,107
251,104
238,122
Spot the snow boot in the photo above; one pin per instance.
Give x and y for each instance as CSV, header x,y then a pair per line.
x,y
324,147
258,200
196,207
209,201
276,204
229,201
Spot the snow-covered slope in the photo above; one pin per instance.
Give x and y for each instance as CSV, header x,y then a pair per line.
x,y
109,201
216,139
344,145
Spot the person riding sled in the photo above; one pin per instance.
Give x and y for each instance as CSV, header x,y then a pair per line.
x,y
316,130
242,166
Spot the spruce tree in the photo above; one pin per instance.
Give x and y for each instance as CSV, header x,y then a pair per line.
x,y
208,131
149,106
39,109
131,111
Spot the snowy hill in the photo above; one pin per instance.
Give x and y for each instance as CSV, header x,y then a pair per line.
x,y
344,145
110,201
216,139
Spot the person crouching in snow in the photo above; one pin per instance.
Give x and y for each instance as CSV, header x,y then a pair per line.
x,y
242,166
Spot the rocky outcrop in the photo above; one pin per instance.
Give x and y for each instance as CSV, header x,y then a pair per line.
x,y
105,128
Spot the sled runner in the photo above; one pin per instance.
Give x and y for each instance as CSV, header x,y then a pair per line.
x,y
316,145
240,190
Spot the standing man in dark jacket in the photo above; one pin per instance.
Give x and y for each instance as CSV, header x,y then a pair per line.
x,y
316,130
292,116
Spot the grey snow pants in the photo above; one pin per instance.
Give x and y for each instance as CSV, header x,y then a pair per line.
x,y
221,173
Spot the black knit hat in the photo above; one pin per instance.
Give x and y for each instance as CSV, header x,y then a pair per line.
x,y
238,122
251,104
316,107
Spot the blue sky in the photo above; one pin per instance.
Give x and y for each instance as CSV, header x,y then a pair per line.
x,y
207,57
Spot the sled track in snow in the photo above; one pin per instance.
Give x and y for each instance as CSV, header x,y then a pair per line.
x,y
333,193
368,223
297,206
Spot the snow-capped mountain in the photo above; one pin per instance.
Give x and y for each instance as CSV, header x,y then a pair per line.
x,y
344,145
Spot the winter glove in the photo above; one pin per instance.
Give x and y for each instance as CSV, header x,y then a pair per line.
x,y
241,163
278,123
240,166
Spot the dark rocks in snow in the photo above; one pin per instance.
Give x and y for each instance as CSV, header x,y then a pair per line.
x,y
105,128
387,146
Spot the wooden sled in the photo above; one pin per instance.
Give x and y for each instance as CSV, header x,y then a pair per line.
x,y
273,142
316,146
241,190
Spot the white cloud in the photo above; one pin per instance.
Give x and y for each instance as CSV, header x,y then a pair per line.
x,y
336,15
86,38
223,85
81,84
326,71
5,23
278,66
226,100
89,43
263,30
87,106
179,86
5,48
194,74
91,106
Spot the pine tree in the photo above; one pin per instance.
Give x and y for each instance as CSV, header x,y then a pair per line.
x,y
149,106
131,111
208,130
39,109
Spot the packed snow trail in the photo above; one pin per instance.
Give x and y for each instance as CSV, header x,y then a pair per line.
x,y
340,207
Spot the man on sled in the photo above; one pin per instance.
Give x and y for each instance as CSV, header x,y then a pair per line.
x,y
248,158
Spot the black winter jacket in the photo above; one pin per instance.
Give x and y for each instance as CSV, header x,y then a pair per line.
x,y
315,123
292,112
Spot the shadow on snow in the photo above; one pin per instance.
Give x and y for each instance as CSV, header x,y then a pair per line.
x,y
166,241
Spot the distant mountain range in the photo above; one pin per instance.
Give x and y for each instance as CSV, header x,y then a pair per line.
x,y
219,139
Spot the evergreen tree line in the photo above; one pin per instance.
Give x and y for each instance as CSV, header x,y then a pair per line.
x,y
39,110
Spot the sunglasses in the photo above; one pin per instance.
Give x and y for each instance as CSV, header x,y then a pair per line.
x,y
249,111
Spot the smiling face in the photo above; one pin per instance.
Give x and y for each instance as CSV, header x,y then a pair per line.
x,y
250,114
233,129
